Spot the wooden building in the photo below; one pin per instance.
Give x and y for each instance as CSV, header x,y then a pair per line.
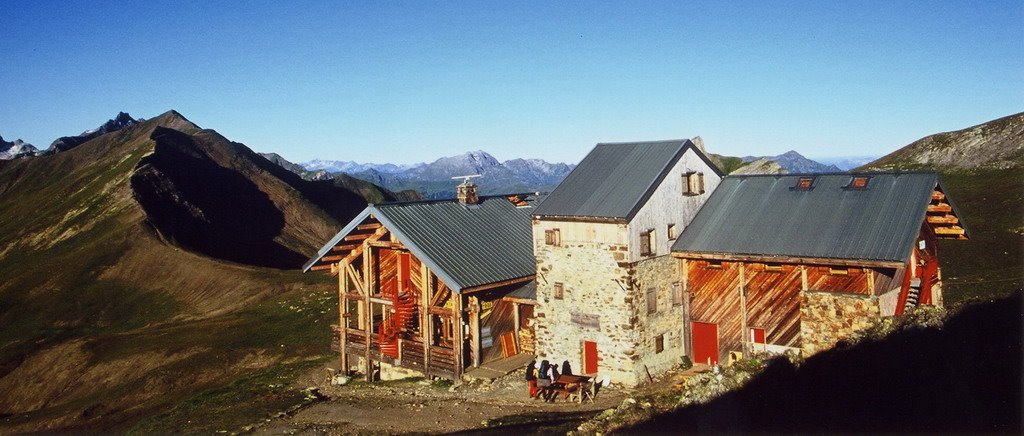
x,y
799,262
606,298
435,287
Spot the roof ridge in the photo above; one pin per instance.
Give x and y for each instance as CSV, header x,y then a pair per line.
x,y
447,200
660,141
841,173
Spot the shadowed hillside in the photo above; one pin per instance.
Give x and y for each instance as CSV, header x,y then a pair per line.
x,y
964,377
133,276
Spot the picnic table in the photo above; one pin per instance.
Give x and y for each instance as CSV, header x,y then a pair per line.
x,y
565,385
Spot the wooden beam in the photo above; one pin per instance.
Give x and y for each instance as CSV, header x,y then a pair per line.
x,y
938,195
343,318
370,226
321,267
331,258
358,236
459,342
955,230
354,276
425,328
368,271
348,247
497,284
792,260
941,207
474,329
516,300
388,245
943,219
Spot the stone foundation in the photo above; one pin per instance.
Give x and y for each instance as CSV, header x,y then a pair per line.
x,y
828,317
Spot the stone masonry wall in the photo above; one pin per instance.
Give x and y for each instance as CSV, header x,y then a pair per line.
x,y
827,318
659,273
596,306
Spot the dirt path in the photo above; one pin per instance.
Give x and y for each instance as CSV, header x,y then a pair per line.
x,y
421,406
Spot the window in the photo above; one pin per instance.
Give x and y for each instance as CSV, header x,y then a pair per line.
x,y
757,335
553,237
652,300
671,232
645,243
773,267
559,291
659,343
859,182
677,294
804,184
693,183
839,271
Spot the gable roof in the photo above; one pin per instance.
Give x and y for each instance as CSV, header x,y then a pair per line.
x,y
465,246
615,179
763,215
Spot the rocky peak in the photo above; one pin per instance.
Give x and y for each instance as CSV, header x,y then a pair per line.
x,y
65,143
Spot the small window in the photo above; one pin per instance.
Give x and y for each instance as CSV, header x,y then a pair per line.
x,y
652,300
671,232
553,237
859,182
677,294
645,243
839,271
559,291
659,343
714,264
773,267
693,183
757,336
804,184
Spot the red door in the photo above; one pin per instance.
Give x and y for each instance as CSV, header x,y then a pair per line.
x,y
589,357
705,343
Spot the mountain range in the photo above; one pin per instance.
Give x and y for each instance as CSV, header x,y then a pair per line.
x,y
434,180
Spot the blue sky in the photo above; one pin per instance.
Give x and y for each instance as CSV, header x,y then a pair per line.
x,y
411,81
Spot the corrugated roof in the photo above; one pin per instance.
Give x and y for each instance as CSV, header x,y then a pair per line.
x,y
528,291
615,179
466,246
765,216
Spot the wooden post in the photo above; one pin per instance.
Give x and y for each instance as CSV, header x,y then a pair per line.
x,y
457,326
425,328
871,280
343,314
368,284
803,277
474,329
516,322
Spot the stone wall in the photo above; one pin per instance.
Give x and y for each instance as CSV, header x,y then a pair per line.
x,y
659,273
828,317
596,306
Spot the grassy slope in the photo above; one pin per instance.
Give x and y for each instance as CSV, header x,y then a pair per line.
x,y
103,325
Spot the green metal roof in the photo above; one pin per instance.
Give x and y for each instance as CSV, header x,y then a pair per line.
x,y
615,179
465,245
763,215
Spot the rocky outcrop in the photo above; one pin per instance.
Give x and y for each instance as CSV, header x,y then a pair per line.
x,y
65,143
996,144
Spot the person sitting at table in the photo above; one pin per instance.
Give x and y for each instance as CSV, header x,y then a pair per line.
x,y
566,369
544,374
531,377
554,372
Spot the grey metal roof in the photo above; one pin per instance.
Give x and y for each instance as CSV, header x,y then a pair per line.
x,y
528,291
615,179
466,246
763,215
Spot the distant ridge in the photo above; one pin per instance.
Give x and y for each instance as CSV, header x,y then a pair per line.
x,y
994,144
16,149
120,121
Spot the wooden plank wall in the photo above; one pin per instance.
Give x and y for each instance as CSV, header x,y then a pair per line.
x,y
715,298
820,279
773,302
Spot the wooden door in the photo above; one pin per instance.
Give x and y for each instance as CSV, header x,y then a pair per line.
x,y
589,357
705,343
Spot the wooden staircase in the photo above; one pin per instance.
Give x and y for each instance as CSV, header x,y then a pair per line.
x,y
401,320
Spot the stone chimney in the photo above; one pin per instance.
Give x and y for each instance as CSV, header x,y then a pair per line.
x,y
467,190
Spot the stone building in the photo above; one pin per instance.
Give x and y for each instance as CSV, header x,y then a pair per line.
x,y
798,262
607,295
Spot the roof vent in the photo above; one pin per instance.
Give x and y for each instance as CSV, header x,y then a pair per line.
x,y
467,190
